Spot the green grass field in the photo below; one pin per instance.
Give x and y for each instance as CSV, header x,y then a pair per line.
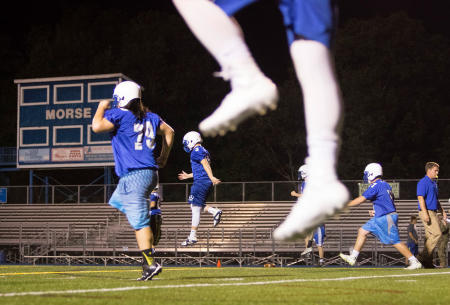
x,y
227,285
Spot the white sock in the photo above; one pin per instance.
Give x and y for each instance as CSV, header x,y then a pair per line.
x,y
196,210
322,102
354,254
220,34
412,259
213,211
193,235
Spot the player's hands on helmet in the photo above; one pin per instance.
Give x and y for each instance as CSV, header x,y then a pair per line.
x,y
371,213
105,104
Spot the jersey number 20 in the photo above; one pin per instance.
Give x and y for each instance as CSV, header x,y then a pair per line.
x,y
149,134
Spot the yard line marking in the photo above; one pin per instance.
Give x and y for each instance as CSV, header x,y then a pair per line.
x,y
16,294
92,271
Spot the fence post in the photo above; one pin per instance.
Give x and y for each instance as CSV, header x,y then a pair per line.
x,y
176,247
207,243
240,244
243,191
78,194
53,194
273,191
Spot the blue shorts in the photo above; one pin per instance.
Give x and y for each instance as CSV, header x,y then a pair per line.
x,y
199,192
319,235
309,19
384,228
413,247
131,196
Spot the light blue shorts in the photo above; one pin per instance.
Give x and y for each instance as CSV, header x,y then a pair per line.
x,y
310,19
319,235
384,228
131,196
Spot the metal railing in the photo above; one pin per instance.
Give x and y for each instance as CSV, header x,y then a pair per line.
x,y
179,192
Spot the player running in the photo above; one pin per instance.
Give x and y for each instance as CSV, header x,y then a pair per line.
x,y
133,131
309,25
203,182
383,223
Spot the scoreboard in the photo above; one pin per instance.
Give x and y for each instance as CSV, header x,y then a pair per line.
x,y
54,121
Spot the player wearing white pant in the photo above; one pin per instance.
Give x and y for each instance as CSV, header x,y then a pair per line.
x,y
309,26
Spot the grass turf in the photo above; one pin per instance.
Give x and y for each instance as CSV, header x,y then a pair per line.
x,y
228,285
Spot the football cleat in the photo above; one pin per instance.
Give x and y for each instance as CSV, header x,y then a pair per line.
x,y
217,218
306,251
253,96
317,204
148,272
189,242
414,265
348,259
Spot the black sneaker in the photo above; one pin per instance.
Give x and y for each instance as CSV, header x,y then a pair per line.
x,y
217,218
148,272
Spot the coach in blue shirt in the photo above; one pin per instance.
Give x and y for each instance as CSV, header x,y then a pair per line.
x,y
429,205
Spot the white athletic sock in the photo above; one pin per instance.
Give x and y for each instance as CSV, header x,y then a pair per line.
x,y
196,210
354,254
322,102
412,259
193,235
213,211
220,34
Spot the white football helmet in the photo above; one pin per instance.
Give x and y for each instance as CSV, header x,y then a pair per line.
x,y
125,92
303,172
372,171
190,139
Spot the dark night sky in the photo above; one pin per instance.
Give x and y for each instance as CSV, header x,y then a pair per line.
x,y
432,12
17,22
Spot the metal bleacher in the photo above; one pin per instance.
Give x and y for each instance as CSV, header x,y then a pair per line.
x,y
244,235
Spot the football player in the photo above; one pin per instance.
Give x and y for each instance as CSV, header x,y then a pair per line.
x,y
133,131
309,26
203,182
383,223
155,215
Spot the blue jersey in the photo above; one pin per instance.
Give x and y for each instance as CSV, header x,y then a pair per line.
x,y
428,189
133,141
199,153
380,193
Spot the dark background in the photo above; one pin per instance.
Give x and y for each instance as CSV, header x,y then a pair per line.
x,y
392,58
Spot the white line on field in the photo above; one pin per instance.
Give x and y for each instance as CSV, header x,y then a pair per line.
x,y
16,294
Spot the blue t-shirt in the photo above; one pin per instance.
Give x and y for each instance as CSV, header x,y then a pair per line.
x,y
380,193
199,153
428,189
133,141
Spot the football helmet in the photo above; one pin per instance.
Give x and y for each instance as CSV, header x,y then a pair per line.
x,y
190,139
302,172
372,171
125,92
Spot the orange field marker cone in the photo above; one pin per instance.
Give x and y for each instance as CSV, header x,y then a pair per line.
x,y
219,264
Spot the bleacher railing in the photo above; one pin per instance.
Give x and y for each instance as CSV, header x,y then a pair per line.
x,y
179,192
